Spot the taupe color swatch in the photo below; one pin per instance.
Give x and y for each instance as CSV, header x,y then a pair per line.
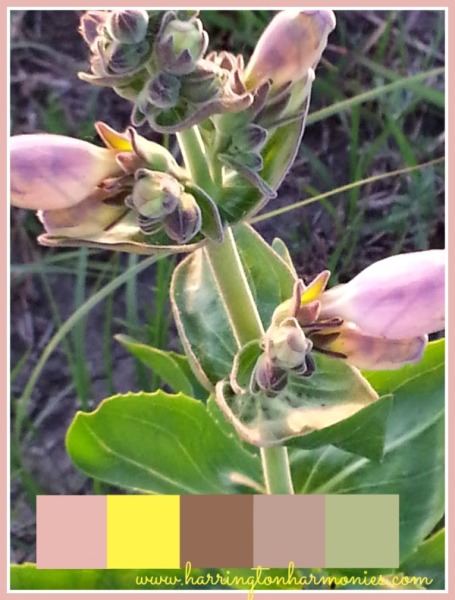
x,y
71,532
216,531
289,529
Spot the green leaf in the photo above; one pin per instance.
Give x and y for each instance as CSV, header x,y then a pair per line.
x,y
160,443
307,406
200,392
283,252
428,561
239,201
160,361
244,363
363,433
270,278
239,165
201,319
200,314
212,227
413,463
167,365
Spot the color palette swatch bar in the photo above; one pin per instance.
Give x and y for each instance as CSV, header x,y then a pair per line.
x,y
231,531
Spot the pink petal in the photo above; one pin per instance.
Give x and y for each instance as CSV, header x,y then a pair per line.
x,y
402,296
371,353
290,46
50,172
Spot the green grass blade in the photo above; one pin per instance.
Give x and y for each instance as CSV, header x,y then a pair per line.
x,y
344,188
67,326
401,83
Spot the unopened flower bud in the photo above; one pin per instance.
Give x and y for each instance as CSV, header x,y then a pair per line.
x,y
202,85
163,90
287,345
268,377
155,194
50,172
291,45
180,45
122,59
399,297
250,139
127,26
185,221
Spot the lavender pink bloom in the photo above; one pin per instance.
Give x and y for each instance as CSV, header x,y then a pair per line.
x,y
400,297
291,45
53,172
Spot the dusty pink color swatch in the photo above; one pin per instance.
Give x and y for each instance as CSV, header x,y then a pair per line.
x,y
71,532
289,529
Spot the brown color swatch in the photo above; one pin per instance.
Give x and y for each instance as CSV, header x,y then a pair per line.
x,y
216,531
71,532
289,529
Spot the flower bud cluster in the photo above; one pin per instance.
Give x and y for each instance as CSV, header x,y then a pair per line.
x,y
119,43
124,194
379,320
286,350
161,202
279,74
157,60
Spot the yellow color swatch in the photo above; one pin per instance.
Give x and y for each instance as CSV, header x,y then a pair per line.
x,y
143,532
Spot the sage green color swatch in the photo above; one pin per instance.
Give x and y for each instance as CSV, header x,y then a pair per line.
x,y
362,531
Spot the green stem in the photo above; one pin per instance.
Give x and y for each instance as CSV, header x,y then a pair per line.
x,y
195,159
277,474
238,300
233,286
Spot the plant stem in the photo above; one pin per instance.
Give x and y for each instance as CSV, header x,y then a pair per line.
x,y
277,474
195,159
233,286
236,294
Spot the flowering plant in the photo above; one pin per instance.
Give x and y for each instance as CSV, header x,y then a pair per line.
x,y
284,387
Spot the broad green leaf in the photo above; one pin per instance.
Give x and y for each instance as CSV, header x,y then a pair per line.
x,y
428,561
163,363
363,433
201,319
306,406
28,577
413,463
200,314
255,485
159,443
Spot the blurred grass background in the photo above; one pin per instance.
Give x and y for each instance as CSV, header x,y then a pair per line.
x,y
377,107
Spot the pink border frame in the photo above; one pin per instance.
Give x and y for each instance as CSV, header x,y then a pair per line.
x,y
4,298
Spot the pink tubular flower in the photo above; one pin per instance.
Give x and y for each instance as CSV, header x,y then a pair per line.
x,y
399,297
53,172
290,46
379,320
